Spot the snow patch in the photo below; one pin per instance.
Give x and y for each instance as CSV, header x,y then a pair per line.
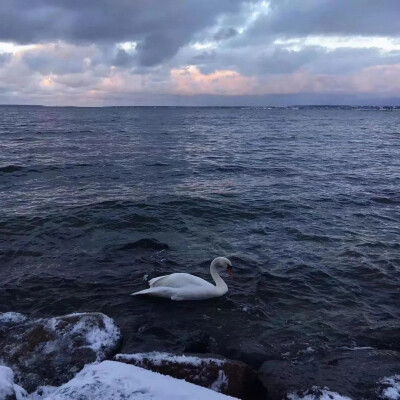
x,y
117,381
221,382
6,382
392,390
12,317
98,338
158,358
357,348
7,385
317,394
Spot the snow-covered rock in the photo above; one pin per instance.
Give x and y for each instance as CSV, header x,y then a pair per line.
x,y
233,378
6,384
12,318
51,351
8,389
317,394
117,381
390,387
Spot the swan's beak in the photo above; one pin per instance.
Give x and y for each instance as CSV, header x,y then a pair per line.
x,y
229,270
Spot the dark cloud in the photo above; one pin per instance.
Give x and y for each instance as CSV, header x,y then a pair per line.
x,y
55,60
158,47
205,56
318,59
225,33
330,17
80,52
344,61
160,27
123,58
283,61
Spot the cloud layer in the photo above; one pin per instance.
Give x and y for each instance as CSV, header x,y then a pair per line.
x,y
199,52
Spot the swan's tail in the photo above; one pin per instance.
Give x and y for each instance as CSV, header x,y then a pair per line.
x,y
145,291
155,291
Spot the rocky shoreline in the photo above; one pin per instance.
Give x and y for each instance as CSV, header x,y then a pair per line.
x,y
76,357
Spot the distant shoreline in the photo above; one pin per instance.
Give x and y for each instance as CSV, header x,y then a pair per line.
x,y
290,107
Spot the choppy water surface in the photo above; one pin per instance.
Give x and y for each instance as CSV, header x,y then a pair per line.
x,y
306,203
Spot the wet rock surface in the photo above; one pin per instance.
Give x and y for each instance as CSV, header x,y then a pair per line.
x,y
51,351
358,374
200,342
233,378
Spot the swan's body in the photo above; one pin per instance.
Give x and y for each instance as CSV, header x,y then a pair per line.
x,y
181,286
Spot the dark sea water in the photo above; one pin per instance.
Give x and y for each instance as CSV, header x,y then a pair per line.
x,y
305,203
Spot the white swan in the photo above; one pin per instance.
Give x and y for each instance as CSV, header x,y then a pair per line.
x,y
181,286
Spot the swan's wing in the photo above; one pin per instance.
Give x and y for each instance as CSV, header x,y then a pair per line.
x,y
154,280
178,294
179,280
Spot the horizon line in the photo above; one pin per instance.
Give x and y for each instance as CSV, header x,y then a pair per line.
x,y
206,106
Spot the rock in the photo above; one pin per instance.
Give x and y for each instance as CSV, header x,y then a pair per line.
x,y
251,354
358,374
51,351
316,394
9,319
117,381
233,378
200,342
8,389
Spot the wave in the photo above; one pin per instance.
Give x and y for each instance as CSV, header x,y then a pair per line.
x,y
386,200
158,164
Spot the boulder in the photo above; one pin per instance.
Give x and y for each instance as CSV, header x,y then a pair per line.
x,y
51,351
112,380
233,378
358,374
8,389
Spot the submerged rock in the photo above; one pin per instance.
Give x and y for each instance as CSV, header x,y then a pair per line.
x,y
357,374
233,378
145,244
51,351
200,342
8,389
118,381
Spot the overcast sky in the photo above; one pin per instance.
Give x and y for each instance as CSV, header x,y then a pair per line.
x,y
199,52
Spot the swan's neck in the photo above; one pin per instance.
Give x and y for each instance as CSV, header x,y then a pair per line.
x,y
219,283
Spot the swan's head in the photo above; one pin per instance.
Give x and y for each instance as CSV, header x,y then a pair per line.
x,y
223,263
